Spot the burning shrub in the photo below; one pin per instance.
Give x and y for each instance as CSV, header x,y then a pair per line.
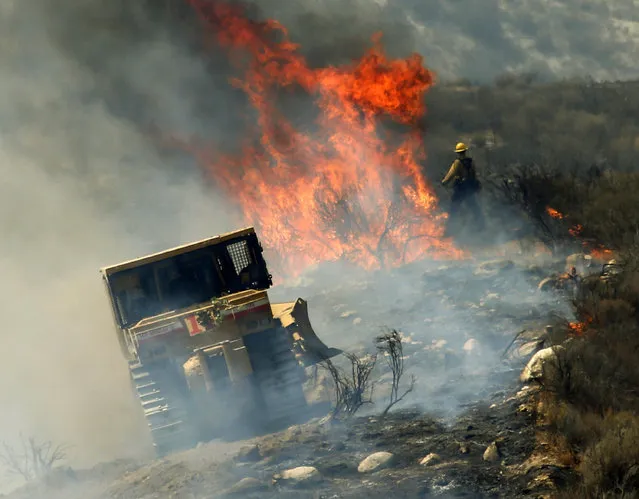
x,y
596,407
537,192
570,209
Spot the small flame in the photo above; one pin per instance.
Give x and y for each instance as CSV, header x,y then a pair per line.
x,y
600,252
554,213
579,328
576,230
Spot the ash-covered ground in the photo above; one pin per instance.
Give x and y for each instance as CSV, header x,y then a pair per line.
x,y
457,317
466,430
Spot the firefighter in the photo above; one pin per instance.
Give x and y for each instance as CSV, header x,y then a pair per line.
x,y
463,178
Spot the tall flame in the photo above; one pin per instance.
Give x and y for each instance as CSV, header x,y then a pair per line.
x,y
346,190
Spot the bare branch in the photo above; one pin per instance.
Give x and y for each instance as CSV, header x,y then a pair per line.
x,y
390,345
34,461
352,389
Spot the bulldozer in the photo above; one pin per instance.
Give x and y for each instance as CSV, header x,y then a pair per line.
x,y
209,355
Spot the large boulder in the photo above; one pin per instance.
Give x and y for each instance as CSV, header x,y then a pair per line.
x,y
543,367
375,462
472,347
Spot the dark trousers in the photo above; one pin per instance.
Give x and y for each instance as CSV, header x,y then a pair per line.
x,y
464,202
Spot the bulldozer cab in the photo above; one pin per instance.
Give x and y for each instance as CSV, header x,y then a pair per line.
x,y
186,276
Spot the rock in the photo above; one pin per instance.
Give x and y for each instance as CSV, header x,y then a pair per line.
x,y
472,347
430,459
436,345
299,475
543,367
248,484
375,462
491,454
249,453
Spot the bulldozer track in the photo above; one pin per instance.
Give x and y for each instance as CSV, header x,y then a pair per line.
x,y
278,374
166,409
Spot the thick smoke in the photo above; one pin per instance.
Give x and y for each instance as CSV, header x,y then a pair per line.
x,y
83,186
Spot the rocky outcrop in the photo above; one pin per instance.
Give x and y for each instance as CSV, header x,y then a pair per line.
x,y
543,367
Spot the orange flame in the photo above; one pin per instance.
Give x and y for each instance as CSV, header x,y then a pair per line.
x,y
554,213
344,191
599,252
579,328
576,230
602,253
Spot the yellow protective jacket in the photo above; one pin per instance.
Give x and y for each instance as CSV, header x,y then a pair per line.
x,y
455,173
458,172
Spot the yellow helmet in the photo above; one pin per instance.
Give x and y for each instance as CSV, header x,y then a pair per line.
x,y
461,147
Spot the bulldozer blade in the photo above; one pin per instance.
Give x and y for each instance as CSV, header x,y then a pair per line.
x,y
309,349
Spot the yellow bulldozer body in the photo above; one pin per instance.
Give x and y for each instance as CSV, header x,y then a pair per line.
x,y
218,360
